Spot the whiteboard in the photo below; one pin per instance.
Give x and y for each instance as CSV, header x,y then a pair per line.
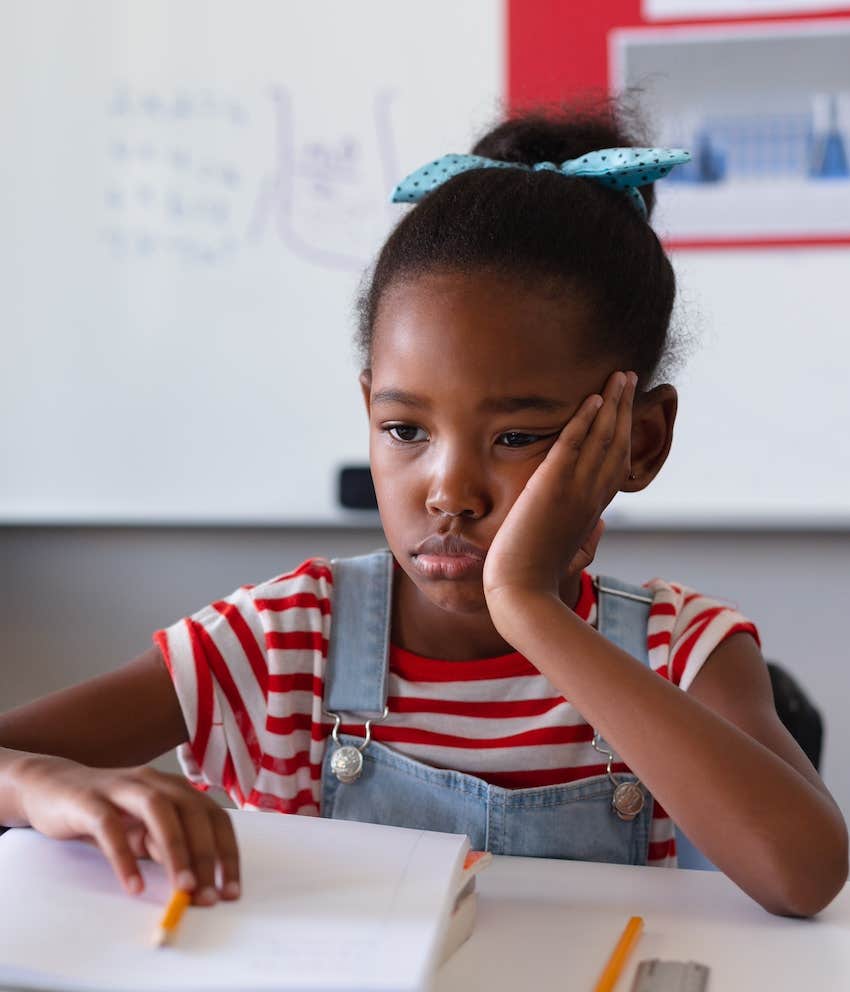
x,y
190,194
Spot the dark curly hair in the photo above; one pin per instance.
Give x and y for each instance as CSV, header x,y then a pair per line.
x,y
564,236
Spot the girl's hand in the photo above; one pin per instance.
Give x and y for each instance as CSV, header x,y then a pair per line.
x,y
555,522
132,813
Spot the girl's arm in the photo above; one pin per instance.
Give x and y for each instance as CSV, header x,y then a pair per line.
x,y
125,717
72,766
717,758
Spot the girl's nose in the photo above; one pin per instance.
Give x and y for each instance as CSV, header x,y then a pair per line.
x,y
457,492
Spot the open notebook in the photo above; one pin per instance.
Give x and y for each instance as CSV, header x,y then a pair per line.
x,y
326,905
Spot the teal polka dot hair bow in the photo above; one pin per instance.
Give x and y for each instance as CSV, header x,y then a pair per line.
x,y
621,168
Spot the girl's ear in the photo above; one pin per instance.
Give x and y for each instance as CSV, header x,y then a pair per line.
x,y
366,387
653,416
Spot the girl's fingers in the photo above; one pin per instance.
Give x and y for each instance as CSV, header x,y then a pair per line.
x,y
183,831
104,822
610,434
211,842
623,428
228,853
137,840
604,425
132,813
579,425
202,845
166,835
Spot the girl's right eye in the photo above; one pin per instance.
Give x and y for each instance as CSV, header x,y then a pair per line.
x,y
402,427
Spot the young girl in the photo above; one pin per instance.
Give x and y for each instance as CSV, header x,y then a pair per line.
x,y
473,676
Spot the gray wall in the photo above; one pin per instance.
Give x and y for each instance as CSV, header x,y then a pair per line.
x,y
76,601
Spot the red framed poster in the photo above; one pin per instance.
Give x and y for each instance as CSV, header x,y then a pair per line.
x,y
758,91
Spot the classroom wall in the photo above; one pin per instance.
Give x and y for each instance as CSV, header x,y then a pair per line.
x,y
75,602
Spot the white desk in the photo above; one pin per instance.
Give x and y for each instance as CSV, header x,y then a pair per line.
x,y
552,925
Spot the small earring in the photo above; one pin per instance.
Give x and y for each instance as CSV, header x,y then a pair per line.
x,y
632,476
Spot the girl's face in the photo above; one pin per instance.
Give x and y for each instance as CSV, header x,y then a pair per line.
x,y
472,380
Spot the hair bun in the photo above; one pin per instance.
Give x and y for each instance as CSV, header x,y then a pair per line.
x,y
566,131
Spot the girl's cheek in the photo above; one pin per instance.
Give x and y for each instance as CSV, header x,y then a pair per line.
x,y
393,483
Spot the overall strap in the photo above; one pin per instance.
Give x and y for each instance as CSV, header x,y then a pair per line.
x,y
358,652
622,615
622,612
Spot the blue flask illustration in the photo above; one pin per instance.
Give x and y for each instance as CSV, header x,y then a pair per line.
x,y
829,155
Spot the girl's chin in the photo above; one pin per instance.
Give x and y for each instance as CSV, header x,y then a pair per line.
x,y
452,597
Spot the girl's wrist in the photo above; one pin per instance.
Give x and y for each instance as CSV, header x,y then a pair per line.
x,y
516,610
16,767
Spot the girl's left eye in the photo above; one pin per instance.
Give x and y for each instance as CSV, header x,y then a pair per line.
x,y
533,438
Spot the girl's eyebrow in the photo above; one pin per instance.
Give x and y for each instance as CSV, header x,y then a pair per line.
x,y
495,404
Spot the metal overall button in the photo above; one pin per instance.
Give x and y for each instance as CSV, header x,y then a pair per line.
x,y
628,798
347,761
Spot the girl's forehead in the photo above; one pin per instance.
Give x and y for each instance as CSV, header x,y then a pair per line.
x,y
448,323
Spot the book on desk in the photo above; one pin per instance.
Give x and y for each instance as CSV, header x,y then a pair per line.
x,y
326,904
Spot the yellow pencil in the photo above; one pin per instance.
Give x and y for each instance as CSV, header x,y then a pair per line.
x,y
627,940
171,917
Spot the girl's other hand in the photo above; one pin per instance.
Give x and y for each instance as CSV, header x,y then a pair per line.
x,y
555,523
132,813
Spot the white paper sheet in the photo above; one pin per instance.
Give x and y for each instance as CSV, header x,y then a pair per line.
x,y
326,905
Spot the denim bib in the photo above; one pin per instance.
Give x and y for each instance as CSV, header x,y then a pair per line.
x,y
575,820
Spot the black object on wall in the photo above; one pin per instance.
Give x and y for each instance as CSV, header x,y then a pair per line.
x,y
356,488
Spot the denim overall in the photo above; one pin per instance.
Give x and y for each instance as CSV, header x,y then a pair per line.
x,y
575,820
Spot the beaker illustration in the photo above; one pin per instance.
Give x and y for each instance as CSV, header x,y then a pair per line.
x,y
709,161
829,152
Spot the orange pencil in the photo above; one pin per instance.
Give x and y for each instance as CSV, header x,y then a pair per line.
x,y
627,940
171,917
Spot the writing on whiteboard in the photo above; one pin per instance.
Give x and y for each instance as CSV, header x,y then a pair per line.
x,y
195,175
327,200
172,177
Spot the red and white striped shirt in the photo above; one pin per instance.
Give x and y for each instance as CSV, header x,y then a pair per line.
x,y
249,673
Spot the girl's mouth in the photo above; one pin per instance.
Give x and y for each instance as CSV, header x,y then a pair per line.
x,y
448,566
